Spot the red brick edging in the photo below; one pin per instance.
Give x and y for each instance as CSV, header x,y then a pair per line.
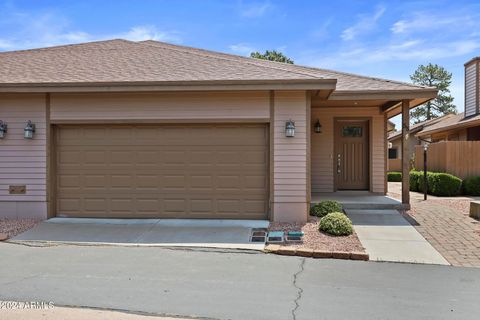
x,y
303,252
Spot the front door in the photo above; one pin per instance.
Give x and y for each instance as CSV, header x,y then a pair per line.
x,y
351,159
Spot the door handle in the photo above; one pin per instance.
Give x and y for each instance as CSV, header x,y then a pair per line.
x,y
339,163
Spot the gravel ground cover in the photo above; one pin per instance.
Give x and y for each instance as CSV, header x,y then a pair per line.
x,y
12,227
314,239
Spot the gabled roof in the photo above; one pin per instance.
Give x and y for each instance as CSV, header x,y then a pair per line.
x,y
457,121
120,62
418,126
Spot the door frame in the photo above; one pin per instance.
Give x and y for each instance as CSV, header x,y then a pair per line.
x,y
370,155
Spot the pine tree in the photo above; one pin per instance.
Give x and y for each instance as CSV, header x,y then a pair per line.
x,y
433,75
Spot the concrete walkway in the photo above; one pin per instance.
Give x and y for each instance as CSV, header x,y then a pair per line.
x,y
226,234
387,236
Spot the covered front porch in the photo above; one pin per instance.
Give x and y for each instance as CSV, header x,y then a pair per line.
x,y
349,150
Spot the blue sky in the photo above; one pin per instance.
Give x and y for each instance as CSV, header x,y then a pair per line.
x,y
387,39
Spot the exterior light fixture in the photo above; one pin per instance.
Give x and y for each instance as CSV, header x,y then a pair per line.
x,y
29,130
317,127
3,129
290,129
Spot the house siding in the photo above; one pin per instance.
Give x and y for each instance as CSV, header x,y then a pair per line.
x,y
23,162
131,107
471,89
322,148
290,163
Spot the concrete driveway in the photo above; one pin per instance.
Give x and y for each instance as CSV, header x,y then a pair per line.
x,y
236,286
228,234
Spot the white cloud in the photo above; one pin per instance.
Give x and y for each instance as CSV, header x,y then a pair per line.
x,y
50,29
149,32
365,24
255,10
432,21
242,48
409,51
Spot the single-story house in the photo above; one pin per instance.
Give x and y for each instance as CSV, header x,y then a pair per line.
x,y
464,126
395,143
456,127
147,129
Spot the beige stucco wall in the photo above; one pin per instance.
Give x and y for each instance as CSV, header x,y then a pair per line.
x,y
290,157
23,162
323,146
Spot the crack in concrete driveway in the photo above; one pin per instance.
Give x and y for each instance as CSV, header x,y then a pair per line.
x,y
300,290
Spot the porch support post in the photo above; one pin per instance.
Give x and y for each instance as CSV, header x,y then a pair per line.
x,y
405,155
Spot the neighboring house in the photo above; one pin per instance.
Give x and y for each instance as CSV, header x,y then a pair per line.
x,y
455,128
153,130
390,126
395,143
456,139
464,126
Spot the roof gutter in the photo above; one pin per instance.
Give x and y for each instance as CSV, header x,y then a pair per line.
x,y
216,85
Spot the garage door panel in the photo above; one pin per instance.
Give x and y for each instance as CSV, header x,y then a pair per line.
x,y
188,171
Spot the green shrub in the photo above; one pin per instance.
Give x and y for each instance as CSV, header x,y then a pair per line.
x,y
394,176
415,177
472,186
441,184
325,207
336,224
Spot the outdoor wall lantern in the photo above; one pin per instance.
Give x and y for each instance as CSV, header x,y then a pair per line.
x,y
317,127
290,129
29,130
3,129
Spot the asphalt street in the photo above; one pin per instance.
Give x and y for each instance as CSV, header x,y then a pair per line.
x,y
233,285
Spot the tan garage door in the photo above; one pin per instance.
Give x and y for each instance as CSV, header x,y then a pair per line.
x,y
174,171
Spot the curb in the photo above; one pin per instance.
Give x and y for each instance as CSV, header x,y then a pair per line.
x,y
319,254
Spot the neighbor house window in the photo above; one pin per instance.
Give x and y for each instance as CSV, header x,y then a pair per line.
x,y
392,153
351,131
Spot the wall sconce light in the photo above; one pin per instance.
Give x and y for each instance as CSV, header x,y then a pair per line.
x,y
290,129
3,129
29,130
317,127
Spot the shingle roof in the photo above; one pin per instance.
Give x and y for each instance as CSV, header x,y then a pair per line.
x,y
345,81
419,126
452,122
125,61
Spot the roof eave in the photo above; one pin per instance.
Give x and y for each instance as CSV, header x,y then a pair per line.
x,y
457,125
210,85
426,93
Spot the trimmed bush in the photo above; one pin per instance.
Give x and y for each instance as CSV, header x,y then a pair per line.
x,y
325,207
394,176
336,224
441,184
472,186
415,177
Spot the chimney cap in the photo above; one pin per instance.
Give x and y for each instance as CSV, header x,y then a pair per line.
x,y
472,61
